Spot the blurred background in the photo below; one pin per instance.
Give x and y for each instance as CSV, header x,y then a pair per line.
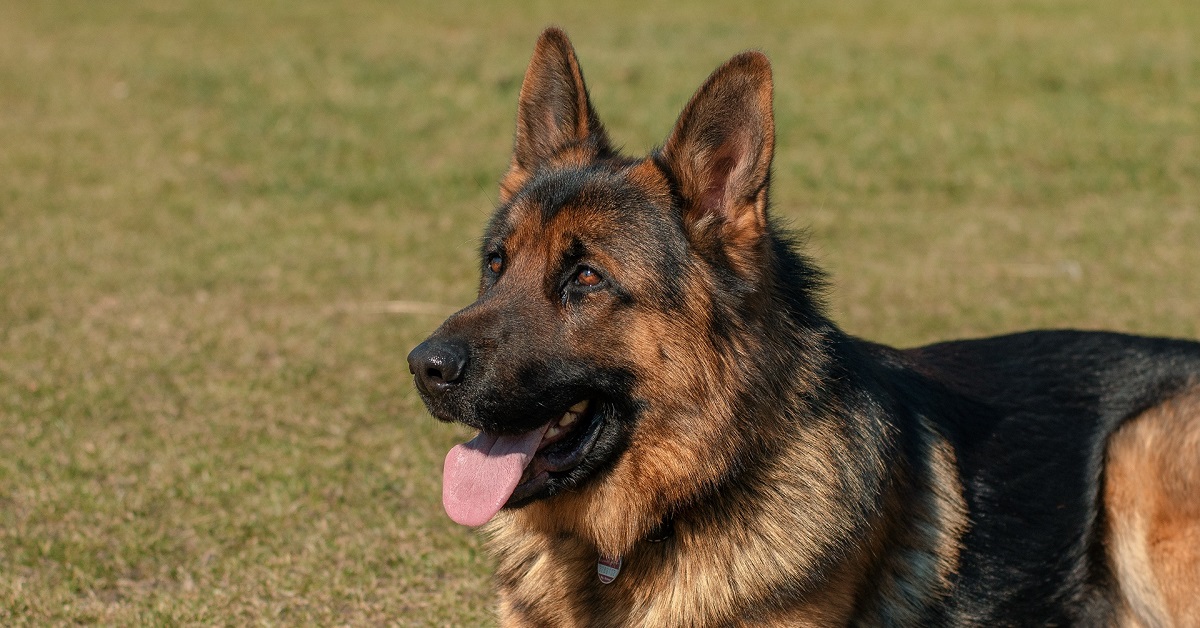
x,y
223,226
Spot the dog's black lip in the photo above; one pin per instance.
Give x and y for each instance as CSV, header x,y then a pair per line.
x,y
554,466
585,438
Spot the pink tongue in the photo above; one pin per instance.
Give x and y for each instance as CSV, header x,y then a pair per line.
x,y
481,474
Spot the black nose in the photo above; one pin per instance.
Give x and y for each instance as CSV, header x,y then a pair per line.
x,y
438,364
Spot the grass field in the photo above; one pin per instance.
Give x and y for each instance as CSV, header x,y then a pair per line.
x,y
206,209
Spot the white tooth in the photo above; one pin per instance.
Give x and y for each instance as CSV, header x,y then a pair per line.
x,y
552,432
580,407
567,419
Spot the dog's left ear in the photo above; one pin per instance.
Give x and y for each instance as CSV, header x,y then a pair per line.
x,y
720,155
555,117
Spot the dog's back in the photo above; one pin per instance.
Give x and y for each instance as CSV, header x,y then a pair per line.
x,y
1079,455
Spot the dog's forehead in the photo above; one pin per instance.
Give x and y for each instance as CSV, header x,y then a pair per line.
x,y
595,202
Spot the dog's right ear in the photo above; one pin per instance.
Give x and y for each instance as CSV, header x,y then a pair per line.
x,y
555,118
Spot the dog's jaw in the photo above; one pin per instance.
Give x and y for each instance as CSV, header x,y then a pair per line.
x,y
493,471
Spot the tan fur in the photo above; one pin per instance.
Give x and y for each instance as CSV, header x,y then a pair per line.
x,y
1152,502
714,574
647,176
920,558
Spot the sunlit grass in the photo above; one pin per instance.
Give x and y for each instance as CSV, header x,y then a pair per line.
x,y
205,414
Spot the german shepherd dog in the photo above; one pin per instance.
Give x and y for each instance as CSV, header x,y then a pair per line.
x,y
673,433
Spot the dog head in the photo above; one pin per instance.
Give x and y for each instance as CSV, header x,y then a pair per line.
x,y
602,358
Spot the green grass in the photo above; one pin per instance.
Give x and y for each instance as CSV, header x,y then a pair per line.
x,y
205,414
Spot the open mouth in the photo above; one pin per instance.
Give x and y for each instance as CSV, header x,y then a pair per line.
x,y
491,471
563,447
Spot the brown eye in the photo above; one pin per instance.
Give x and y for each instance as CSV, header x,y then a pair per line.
x,y
588,277
495,264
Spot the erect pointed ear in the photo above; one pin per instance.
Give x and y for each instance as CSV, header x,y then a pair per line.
x,y
554,113
720,155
